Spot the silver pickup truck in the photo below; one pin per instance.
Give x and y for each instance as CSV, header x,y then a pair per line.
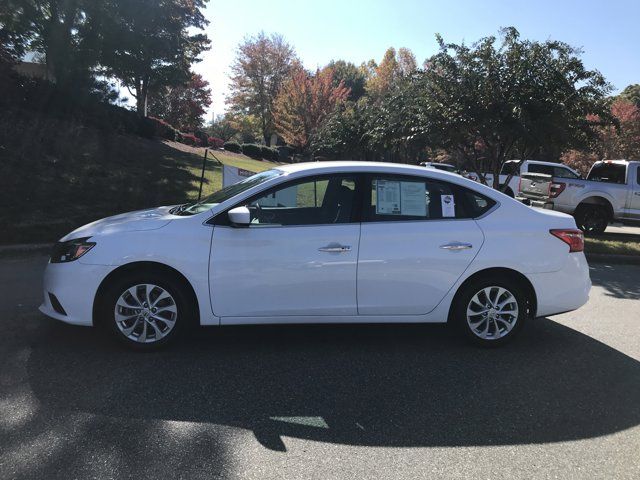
x,y
610,192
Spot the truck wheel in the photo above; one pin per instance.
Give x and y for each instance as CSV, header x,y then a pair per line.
x,y
592,219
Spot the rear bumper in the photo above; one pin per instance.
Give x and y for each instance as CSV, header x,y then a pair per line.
x,y
547,204
73,285
564,290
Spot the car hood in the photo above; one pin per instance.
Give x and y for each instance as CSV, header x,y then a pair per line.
x,y
150,219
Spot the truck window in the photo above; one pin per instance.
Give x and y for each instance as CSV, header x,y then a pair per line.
x,y
537,168
608,172
508,168
560,172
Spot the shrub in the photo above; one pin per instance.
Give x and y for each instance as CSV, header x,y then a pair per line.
x,y
252,150
269,153
232,147
284,153
215,142
190,139
155,127
202,136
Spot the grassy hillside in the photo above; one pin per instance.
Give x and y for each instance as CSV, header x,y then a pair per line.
x,y
57,175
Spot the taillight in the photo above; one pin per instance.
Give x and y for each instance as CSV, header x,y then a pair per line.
x,y
556,188
572,237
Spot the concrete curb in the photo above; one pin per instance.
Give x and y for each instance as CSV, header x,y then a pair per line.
x,y
616,259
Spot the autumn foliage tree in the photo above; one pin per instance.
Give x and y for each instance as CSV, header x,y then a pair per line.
x,y
395,66
304,102
184,105
621,140
261,66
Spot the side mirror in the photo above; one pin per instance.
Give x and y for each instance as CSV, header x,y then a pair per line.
x,y
240,216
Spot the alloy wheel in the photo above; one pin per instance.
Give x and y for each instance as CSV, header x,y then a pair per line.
x,y
492,313
146,313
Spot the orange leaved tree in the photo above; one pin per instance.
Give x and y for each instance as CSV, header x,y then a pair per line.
x,y
303,103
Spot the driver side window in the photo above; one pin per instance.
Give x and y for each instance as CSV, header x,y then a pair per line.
x,y
315,201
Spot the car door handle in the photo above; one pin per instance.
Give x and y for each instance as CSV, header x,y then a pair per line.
x,y
335,248
456,246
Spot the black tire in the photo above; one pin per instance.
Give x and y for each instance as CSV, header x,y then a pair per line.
x,y
592,219
463,300
184,306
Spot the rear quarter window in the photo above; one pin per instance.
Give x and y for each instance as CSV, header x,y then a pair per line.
x,y
476,204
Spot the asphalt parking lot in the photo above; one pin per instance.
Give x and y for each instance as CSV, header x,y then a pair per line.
x,y
563,401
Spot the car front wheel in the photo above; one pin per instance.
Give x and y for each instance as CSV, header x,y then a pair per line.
x,y
144,311
490,312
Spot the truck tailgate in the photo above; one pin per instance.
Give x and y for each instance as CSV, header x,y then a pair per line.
x,y
535,186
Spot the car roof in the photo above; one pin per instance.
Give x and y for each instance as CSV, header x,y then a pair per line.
x,y
351,165
303,169
617,162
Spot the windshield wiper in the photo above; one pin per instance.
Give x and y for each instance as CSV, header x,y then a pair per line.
x,y
179,209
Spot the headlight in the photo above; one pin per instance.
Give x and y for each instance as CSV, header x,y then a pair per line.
x,y
70,250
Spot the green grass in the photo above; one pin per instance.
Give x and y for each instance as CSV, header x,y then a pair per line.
x,y
613,244
58,175
213,171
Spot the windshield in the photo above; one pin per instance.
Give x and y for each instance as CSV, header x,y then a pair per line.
x,y
226,193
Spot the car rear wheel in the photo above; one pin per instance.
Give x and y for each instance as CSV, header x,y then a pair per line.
x,y
592,219
145,311
490,312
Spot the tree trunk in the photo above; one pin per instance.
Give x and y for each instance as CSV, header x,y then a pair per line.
x,y
496,174
142,93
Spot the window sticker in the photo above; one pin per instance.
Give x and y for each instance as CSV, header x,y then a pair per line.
x,y
387,197
448,206
413,197
401,198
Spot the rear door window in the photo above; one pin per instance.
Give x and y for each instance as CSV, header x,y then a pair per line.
x,y
405,198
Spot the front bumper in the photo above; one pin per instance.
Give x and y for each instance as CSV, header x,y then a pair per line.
x,y
564,290
74,285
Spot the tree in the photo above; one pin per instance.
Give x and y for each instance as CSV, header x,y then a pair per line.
x,y
491,102
262,64
303,103
222,127
148,44
580,161
352,77
345,132
182,106
632,94
49,27
393,67
621,140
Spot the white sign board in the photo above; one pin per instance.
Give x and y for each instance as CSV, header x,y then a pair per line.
x,y
231,175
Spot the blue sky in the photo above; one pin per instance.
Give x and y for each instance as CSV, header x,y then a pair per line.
x,y
319,31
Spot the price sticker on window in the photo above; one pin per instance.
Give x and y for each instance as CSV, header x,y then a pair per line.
x,y
448,206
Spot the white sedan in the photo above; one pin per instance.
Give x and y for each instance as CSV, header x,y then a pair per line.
x,y
329,242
